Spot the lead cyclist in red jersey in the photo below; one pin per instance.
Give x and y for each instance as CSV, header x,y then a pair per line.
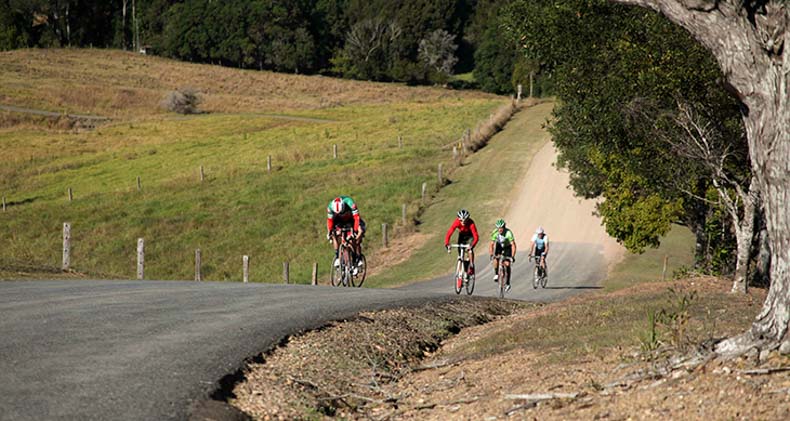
x,y
467,234
342,212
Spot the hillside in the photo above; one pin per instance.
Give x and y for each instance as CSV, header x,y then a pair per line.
x,y
240,208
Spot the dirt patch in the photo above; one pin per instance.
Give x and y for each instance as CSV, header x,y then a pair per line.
x,y
591,356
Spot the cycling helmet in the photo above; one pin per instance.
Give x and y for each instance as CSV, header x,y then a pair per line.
x,y
338,205
500,223
540,231
463,214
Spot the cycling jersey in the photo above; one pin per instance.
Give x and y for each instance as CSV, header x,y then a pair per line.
x,y
505,239
540,243
350,213
464,231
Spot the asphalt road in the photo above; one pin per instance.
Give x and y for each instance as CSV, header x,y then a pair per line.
x,y
148,350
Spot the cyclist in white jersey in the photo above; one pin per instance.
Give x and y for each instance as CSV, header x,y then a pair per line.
x,y
540,247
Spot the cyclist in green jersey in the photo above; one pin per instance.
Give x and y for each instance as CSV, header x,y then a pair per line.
x,y
503,243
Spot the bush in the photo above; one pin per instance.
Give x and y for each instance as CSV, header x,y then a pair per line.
x,y
183,101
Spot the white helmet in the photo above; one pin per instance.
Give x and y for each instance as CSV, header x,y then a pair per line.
x,y
540,231
463,214
338,205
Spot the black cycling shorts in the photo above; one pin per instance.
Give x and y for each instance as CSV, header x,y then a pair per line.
x,y
465,238
506,251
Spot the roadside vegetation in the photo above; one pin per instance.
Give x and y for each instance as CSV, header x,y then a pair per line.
x,y
240,208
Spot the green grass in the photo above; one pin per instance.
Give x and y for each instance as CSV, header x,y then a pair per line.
x,y
466,77
240,209
677,247
483,186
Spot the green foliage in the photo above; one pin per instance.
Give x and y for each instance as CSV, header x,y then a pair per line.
x,y
603,59
669,325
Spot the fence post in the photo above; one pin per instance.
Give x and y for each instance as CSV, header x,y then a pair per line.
x,y
455,153
246,268
139,184
66,245
518,94
3,203
286,274
140,258
422,192
403,214
198,275
439,173
664,271
71,194
400,142
531,76
384,238
314,280
334,150
202,174
269,163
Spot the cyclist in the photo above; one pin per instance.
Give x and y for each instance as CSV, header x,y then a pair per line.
x,y
341,213
503,244
540,248
467,233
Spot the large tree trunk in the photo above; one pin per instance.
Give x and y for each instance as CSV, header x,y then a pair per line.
x,y
749,43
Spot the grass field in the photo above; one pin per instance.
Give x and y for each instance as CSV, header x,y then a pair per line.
x,y
240,208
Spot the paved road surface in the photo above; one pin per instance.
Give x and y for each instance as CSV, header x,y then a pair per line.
x,y
127,350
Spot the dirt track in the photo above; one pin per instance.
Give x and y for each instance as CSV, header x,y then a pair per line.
x,y
580,250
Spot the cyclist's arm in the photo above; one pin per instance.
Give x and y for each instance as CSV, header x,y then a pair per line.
x,y
450,233
356,223
474,234
513,245
546,252
330,223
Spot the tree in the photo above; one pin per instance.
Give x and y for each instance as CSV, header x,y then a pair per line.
x,y
437,51
747,38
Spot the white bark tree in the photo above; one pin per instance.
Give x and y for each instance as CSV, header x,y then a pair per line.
x,y
747,38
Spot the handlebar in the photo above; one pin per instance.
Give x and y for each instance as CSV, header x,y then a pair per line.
x,y
460,246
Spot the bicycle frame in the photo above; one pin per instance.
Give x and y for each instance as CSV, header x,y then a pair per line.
x,y
502,271
462,268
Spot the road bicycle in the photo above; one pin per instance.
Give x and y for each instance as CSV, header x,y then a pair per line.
x,y
353,268
503,273
464,269
539,277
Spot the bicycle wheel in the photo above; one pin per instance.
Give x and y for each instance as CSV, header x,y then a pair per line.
x,y
362,270
536,277
544,277
345,266
501,274
459,277
335,274
470,283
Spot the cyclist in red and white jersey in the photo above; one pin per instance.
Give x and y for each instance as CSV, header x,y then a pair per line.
x,y
342,212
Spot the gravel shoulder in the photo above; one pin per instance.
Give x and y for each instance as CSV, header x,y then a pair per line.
x,y
585,354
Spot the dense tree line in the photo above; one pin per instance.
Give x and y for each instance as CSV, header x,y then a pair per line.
x,y
645,125
419,41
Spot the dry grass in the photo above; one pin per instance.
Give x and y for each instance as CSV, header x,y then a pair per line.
x,y
121,84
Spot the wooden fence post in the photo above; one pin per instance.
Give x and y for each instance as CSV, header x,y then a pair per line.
x,y
518,94
3,203
202,174
455,153
422,192
246,268
269,163
198,275
400,142
531,87
439,174
314,280
403,214
384,238
334,150
139,184
664,271
140,259
71,194
66,245
286,274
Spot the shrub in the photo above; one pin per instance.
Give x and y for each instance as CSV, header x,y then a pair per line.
x,y
182,101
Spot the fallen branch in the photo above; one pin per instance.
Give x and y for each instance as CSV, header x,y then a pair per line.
x,y
544,396
759,371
